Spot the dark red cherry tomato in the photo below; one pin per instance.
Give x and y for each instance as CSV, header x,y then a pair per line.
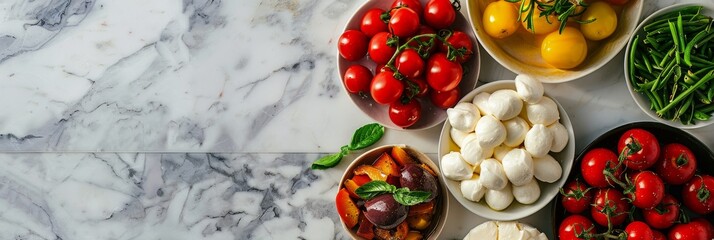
x,y
409,63
405,114
379,51
609,203
664,214
372,22
423,88
413,4
352,45
648,190
677,164
439,13
688,231
657,235
638,230
595,162
445,99
576,197
706,225
442,74
424,29
459,40
698,194
357,79
404,22
575,225
386,89
640,147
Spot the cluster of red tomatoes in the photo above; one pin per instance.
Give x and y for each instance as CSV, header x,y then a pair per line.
x,y
645,189
416,54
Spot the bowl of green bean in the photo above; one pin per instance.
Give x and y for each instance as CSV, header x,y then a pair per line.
x,y
669,65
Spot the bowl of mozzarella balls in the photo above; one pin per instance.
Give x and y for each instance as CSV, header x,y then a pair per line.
x,y
506,149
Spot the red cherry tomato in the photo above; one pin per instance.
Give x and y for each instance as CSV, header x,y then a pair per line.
x,y
577,197
357,79
403,22
459,40
445,99
409,63
379,51
372,22
664,214
677,164
575,225
423,88
424,29
698,194
413,4
439,13
607,199
709,228
648,190
405,115
386,89
442,74
640,148
381,68
638,231
352,45
657,235
688,231
595,162
616,2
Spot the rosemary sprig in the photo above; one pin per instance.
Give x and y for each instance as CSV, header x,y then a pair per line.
x,y
562,9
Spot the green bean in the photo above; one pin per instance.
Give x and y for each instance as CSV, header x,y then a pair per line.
x,y
632,57
687,92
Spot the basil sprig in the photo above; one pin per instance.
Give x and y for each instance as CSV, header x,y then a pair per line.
x,y
364,137
402,195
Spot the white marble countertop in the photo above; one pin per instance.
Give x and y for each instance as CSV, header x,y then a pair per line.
x,y
198,119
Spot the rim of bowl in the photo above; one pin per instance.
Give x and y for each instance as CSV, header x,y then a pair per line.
x,y
423,158
519,67
473,74
641,102
566,162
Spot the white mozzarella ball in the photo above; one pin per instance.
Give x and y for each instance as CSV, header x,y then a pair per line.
x,y
484,231
458,136
516,129
474,153
538,140
490,132
547,169
543,112
499,199
530,89
481,102
455,167
504,104
560,136
492,174
463,116
500,151
472,189
518,166
528,193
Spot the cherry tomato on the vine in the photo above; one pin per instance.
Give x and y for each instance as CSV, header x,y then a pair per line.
x,y
640,147
609,203
439,13
445,99
352,45
409,63
379,51
677,164
413,4
405,114
421,84
404,22
648,190
664,214
709,228
595,162
688,231
458,40
372,22
577,197
698,194
386,89
638,231
574,226
442,74
357,79
424,29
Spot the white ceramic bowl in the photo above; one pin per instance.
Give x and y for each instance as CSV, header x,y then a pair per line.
x,y
511,51
431,115
442,207
642,101
515,210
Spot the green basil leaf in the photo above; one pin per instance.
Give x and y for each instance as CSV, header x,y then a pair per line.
x,y
374,188
410,198
366,136
327,161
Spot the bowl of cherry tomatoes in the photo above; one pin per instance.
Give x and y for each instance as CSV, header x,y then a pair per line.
x,y
643,180
556,40
392,192
404,62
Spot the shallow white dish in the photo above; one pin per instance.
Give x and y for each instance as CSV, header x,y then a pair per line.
x,y
515,210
